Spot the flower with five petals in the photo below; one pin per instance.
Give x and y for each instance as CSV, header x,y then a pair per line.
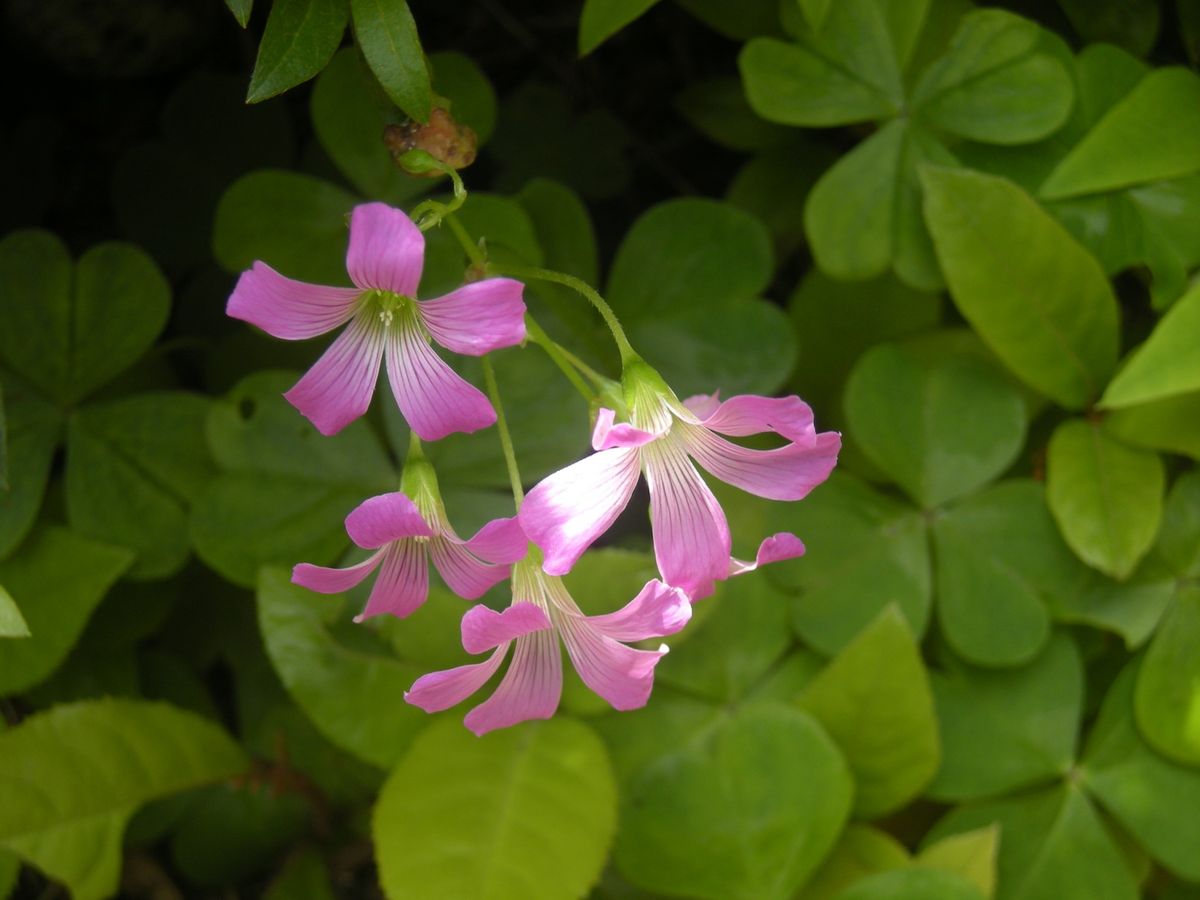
x,y
386,322
541,612
569,509
402,536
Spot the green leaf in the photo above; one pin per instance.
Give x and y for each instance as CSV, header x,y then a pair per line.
x,y
774,184
70,330
847,72
1055,845
12,623
744,349
684,283
864,552
860,851
547,419
293,222
1131,23
864,214
1166,365
285,488
601,19
34,429
75,775
10,870
1179,537
133,469
1155,799
304,876
689,253
1008,729
4,485
718,108
1131,608
913,884
1106,498
815,11
300,38
355,698
791,84
1168,686
1000,560
387,35
232,832
586,149
836,321
59,578
1172,425
850,214
942,426
765,796
533,815
735,645
874,701
1124,148
563,230
241,10
1037,298
992,86
348,116
749,19
971,854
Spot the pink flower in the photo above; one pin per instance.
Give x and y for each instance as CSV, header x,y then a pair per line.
x,y
387,322
540,613
568,510
393,526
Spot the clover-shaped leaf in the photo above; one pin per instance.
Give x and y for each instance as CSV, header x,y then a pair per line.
x,y
69,328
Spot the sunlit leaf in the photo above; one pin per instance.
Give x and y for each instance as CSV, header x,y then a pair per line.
x,y
532,814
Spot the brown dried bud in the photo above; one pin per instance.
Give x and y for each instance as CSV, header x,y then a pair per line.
x,y
441,137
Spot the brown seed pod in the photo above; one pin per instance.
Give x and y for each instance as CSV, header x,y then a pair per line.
x,y
441,137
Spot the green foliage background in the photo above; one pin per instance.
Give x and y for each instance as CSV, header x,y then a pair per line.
x,y
966,235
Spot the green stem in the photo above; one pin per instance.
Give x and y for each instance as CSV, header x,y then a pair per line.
x,y
558,356
510,457
597,379
431,212
469,247
590,293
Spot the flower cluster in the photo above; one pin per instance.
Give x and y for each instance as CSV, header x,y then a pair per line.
x,y
662,438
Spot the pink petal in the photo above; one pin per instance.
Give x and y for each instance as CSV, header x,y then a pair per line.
x,y
483,628
656,611
621,675
288,309
403,582
530,688
464,573
691,537
441,690
338,387
574,506
786,473
774,549
478,317
434,399
387,251
325,580
383,519
703,405
500,541
748,414
605,435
